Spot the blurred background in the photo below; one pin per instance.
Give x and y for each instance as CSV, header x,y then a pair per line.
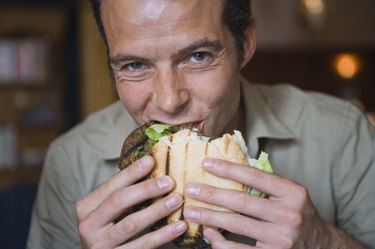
x,y
53,74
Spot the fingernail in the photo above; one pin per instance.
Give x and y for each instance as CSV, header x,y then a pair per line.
x,y
209,164
192,189
163,182
179,227
173,201
192,213
145,162
208,233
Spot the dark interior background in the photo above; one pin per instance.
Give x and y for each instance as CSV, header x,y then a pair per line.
x,y
313,70
293,46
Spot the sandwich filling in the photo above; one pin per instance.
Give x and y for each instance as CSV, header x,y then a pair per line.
x,y
185,148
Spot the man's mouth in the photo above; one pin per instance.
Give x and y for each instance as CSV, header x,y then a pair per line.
x,y
200,126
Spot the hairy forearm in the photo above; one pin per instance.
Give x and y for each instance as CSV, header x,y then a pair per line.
x,y
341,240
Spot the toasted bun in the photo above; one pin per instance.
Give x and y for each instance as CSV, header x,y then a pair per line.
x,y
180,156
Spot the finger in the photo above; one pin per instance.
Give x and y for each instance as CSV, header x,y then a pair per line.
x,y
240,202
158,238
137,222
124,198
218,241
232,222
124,178
250,176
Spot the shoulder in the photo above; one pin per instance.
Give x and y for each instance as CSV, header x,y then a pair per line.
x,y
93,128
96,123
79,156
296,107
88,143
287,96
315,119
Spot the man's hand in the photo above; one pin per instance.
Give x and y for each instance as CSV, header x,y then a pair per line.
x,y
286,219
105,219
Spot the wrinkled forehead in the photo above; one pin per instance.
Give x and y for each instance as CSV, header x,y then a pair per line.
x,y
144,19
145,13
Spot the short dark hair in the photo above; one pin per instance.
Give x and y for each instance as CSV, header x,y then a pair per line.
x,y
236,15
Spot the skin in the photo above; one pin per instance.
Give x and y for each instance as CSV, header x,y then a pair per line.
x,y
188,75
176,62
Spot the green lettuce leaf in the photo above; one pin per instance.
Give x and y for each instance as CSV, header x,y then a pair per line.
x,y
156,131
263,163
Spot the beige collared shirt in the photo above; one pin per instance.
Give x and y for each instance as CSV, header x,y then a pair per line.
x,y
321,142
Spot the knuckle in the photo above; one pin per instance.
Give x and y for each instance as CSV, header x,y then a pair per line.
x,y
238,225
130,227
287,242
84,229
159,210
216,244
301,192
95,246
210,195
108,186
241,201
295,218
146,244
255,174
133,172
80,207
150,185
116,199
123,230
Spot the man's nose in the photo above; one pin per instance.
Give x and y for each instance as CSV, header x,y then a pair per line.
x,y
170,94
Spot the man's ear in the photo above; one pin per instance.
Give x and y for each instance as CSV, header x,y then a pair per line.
x,y
249,44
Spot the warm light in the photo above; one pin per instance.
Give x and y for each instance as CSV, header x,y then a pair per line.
x,y
313,6
347,65
315,13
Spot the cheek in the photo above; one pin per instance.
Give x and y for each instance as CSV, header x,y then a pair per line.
x,y
217,88
224,100
133,97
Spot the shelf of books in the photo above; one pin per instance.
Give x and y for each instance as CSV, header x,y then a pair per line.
x,y
32,78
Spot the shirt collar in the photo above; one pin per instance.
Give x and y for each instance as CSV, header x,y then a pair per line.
x,y
260,120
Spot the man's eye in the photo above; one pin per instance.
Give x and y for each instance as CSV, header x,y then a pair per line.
x,y
199,60
133,66
134,71
199,56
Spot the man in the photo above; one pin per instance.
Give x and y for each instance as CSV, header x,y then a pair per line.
x,y
179,61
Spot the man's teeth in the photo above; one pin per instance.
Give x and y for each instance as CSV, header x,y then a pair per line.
x,y
199,126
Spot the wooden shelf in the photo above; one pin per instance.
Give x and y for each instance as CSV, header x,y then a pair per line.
x,y
34,108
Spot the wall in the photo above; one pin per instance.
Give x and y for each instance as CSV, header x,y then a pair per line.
x,y
288,50
97,90
349,24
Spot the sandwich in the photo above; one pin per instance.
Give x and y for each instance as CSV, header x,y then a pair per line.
x,y
178,151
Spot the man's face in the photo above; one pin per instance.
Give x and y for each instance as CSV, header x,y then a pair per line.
x,y
174,62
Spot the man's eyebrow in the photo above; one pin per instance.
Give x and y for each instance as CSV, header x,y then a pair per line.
x,y
216,45
118,59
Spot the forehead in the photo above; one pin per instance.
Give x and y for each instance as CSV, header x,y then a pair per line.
x,y
141,19
144,12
